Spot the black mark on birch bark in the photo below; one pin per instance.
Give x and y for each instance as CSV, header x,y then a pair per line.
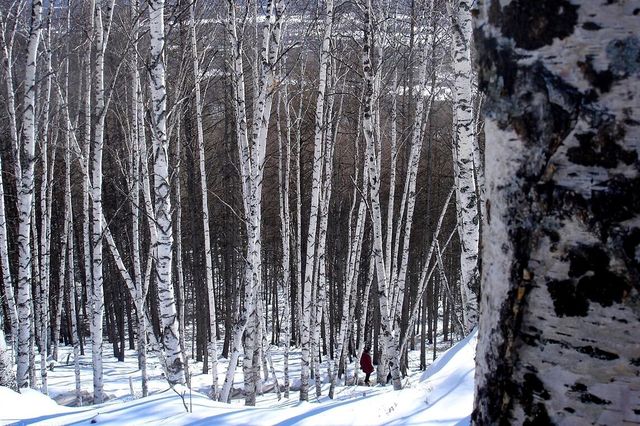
x,y
544,21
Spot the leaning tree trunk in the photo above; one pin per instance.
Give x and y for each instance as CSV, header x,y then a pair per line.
x,y
558,332
162,186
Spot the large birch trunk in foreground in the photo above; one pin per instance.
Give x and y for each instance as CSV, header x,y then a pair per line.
x,y
464,134
162,186
558,333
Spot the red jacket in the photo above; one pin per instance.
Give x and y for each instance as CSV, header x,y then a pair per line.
x,y
365,363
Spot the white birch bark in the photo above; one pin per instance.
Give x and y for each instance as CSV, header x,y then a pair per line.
x,y
71,272
558,332
393,172
45,212
85,162
25,196
35,317
468,218
284,161
180,290
97,291
330,135
162,186
478,160
298,234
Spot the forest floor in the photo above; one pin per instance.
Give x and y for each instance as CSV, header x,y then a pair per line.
x,y
442,395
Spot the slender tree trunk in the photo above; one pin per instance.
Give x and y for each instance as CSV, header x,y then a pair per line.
x,y
285,226
97,290
71,272
468,217
181,290
389,337
162,186
212,343
85,161
252,151
25,196
310,264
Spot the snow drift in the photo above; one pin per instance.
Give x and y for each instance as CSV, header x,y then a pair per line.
x,y
442,395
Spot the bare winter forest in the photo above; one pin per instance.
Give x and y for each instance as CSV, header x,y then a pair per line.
x,y
245,198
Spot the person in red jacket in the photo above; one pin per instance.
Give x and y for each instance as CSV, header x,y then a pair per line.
x,y
366,365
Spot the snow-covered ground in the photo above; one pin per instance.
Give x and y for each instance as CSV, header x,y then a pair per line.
x,y
442,395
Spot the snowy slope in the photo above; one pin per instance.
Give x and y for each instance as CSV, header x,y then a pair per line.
x,y
442,395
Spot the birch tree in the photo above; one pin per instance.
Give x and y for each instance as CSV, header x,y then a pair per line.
x,y
162,186
370,76
319,126
45,209
284,162
558,333
252,151
137,141
25,196
102,26
463,147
